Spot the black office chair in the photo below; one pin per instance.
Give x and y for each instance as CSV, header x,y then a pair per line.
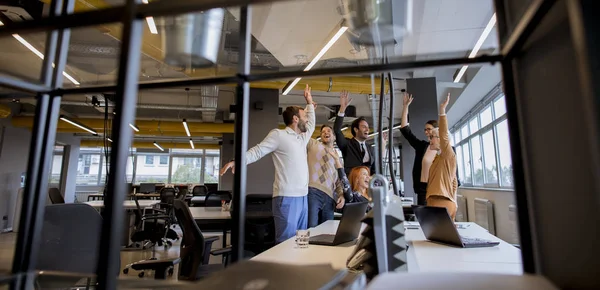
x,y
195,249
199,190
215,198
260,233
69,243
55,196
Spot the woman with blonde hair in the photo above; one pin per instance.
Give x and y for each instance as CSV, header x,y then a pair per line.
x,y
443,183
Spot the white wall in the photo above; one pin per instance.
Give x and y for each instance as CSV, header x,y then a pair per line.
x,y
506,227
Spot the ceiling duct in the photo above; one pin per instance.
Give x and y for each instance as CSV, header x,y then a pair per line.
x,y
193,39
377,22
210,96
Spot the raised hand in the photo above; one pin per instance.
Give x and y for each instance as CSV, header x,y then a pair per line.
x,y
407,100
444,104
227,166
344,101
340,202
308,95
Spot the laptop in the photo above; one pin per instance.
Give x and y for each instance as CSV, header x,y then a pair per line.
x,y
439,227
347,230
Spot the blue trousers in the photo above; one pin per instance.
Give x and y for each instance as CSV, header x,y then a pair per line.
x,y
290,214
320,207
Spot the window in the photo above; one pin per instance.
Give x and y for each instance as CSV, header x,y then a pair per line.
x,y
164,160
150,174
483,149
128,171
88,169
212,165
186,170
149,160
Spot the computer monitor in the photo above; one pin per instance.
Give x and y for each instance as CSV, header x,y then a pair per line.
x,y
212,187
147,188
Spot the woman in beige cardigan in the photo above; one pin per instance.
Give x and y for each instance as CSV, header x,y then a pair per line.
x,y
443,183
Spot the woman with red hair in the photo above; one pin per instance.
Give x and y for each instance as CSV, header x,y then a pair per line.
x,y
355,189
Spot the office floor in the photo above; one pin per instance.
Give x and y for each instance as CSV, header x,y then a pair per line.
x,y
8,240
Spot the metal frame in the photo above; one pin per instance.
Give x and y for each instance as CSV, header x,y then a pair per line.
x,y
131,15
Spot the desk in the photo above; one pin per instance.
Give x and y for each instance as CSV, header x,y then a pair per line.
x,y
127,204
212,215
406,205
423,256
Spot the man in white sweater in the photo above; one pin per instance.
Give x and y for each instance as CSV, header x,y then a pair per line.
x,y
290,189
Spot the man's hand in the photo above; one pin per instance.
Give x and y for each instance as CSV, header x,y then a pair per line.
x,y
344,101
444,105
385,139
407,100
340,202
227,166
308,96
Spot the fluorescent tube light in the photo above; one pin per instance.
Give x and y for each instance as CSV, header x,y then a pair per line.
x,y
150,21
39,54
134,127
78,125
187,130
484,35
158,146
376,133
192,144
109,140
318,57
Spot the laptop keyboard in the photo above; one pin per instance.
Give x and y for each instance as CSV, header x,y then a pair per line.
x,y
474,241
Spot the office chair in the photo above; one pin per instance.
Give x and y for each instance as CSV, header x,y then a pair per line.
x,y
259,234
195,249
55,196
69,243
215,198
199,190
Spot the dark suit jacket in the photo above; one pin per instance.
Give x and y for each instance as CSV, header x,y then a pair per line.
x,y
420,147
351,149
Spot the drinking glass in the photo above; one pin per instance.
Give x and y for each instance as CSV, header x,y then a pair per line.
x,y
302,237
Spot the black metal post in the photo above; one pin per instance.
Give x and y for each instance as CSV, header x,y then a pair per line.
x,y
40,153
391,136
379,147
512,113
125,104
241,137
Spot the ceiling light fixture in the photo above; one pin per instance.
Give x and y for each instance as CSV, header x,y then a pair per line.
x,y
192,144
316,59
385,130
158,146
39,54
478,45
187,130
78,125
109,140
134,127
150,21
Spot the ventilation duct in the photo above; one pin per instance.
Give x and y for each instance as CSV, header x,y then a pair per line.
x,y
193,39
377,22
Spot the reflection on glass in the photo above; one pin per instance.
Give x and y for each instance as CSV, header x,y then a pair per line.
x,y
186,170
506,172
152,169
489,152
477,161
499,107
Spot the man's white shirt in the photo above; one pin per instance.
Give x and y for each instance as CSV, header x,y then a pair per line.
x,y
288,150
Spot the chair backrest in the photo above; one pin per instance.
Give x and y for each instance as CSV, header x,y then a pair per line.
x,y
55,196
259,234
70,239
183,192
167,196
192,242
214,198
199,190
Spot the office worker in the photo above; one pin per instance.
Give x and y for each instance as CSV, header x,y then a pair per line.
x,y
424,154
325,191
288,148
355,151
443,183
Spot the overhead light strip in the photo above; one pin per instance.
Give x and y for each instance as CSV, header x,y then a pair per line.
x,y
79,125
318,57
158,146
109,140
40,55
192,144
377,133
187,129
478,44
134,127
150,21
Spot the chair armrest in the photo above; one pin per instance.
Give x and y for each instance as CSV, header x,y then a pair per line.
x,y
155,217
211,239
222,251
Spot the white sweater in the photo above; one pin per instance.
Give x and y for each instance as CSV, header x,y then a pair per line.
x,y
289,157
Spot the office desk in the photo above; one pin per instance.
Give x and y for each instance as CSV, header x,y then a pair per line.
x,y
406,205
423,256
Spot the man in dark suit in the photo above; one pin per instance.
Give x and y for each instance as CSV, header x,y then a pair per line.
x,y
355,151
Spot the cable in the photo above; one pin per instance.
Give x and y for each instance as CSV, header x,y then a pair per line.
x,y
391,135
